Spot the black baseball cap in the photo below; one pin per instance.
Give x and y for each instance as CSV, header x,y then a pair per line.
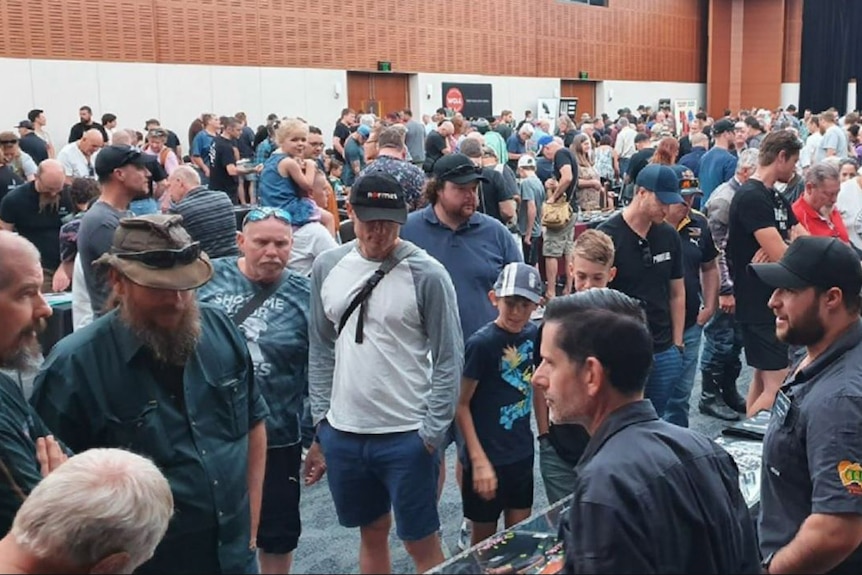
x,y
111,158
378,196
813,261
458,169
722,126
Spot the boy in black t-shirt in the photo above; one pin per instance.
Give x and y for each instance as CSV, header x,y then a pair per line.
x,y
561,445
493,411
761,224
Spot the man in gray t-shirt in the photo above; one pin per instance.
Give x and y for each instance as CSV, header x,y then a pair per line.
x,y
122,177
834,142
415,139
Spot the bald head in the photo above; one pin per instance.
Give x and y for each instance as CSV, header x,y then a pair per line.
x,y
15,250
187,175
447,128
122,137
91,141
699,140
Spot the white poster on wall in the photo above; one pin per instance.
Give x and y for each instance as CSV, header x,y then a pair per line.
x,y
683,114
547,108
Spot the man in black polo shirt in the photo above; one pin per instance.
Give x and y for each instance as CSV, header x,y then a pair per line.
x,y
36,210
223,157
649,268
761,224
700,274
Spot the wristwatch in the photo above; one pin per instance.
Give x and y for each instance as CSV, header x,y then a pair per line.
x,y
767,562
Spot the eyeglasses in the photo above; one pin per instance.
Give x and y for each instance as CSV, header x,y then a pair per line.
x,y
462,170
8,142
689,184
646,253
258,214
164,259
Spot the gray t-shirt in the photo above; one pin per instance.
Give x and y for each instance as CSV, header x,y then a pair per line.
x,y
834,139
415,141
94,239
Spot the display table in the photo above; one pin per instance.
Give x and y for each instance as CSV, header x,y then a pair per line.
x,y
533,546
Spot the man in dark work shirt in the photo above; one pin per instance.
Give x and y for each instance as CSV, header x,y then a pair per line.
x,y
640,158
223,171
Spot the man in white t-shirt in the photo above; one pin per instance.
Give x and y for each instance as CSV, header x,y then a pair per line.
x,y
77,157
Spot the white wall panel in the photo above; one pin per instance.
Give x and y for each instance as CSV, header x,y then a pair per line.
x,y
124,90
611,95
17,93
237,89
60,88
184,92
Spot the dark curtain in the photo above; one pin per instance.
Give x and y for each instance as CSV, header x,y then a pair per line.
x,y
830,53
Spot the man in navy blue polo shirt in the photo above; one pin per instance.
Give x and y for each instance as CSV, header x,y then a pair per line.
x,y
472,247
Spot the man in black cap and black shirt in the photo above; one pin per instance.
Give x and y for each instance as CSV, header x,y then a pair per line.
x,y
811,485
761,224
30,143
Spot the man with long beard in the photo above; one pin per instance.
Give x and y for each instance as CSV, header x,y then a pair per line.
x,y
36,211
22,433
167,379
811,494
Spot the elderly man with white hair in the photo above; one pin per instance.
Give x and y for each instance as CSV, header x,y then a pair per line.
x,y
103,511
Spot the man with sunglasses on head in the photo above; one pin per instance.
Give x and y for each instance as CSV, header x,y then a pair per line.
x,y
270,304
650,269
172,380
385,361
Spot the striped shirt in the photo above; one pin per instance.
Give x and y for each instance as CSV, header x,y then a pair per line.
x,y
209,218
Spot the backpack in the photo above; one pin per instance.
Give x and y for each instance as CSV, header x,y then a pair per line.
x,y
163,155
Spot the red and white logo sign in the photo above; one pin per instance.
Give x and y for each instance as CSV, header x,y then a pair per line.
x,y
455,99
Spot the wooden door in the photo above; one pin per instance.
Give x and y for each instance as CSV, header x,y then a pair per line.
x,y
379,94
584,91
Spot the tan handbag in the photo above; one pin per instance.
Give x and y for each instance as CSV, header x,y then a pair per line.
x,y
555,215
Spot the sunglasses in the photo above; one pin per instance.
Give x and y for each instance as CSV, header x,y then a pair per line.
x,y
462,170
165,259
258,214
646,253
689,184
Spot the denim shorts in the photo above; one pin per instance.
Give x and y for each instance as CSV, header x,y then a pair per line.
x,y
370,474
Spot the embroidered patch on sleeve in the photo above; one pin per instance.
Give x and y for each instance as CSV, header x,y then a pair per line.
x,y
851,476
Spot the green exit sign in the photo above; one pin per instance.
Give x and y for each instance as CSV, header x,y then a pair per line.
x,y
384,66
583,75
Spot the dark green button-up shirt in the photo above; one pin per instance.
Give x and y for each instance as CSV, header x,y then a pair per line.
x,y
99,388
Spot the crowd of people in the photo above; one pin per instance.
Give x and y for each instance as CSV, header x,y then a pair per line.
x,y
407,285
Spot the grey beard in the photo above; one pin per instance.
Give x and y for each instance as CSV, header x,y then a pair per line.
x,y
173,347
26,359
49,204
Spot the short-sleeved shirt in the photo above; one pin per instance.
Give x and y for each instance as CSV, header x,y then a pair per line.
x,y
353,152
101,387
411,178
812,457
222,155
716,167
434,146
638,162
277,337
501,363
75,163
474,255
20,427
816,224
95,237
645,268
754,207
309,241
415,140
493,191
201,146
835,139
9,180
209,218
562,158
514,145
34,146
20,208
342,132
697,249
532,190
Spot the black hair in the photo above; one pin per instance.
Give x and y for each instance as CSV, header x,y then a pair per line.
x,y
108,118
33,114
315,130
609,326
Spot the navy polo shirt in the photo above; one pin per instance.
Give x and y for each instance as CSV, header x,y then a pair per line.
x,y
474,255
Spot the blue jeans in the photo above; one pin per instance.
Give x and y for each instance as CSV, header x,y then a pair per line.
x,y
144,207
722,343
624,166
666,369
676,411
